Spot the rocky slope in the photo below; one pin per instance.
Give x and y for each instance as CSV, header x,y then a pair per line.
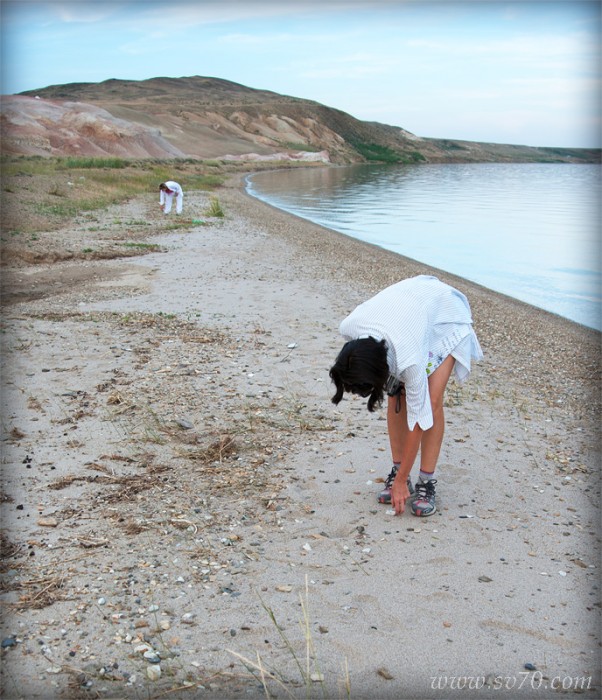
x,y
198,117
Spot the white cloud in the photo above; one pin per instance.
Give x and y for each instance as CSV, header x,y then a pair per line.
x,y
197,14
349,67
238,40
517,48
71,12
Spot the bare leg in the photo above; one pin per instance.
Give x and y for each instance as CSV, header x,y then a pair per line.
x,y
397,426
430,446
405,443
431,440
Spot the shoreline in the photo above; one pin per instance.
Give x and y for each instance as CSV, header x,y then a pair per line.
x,y
434,270
176,481
459,276
538,339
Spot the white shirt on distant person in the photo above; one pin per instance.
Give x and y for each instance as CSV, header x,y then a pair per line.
x,y
166,198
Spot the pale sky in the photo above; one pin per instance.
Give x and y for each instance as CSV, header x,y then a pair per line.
x,y
481,70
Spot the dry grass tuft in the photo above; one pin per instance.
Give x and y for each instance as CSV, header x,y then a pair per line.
x,y
217,451
44,592
131,527
8,550
129,485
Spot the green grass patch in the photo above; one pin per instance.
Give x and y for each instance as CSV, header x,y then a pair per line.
x,y
214,209
70,208
150,247
56,190
452,145
75,163
177,225
376,152
292,146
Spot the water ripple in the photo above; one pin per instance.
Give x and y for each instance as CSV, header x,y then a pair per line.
x,y
531,231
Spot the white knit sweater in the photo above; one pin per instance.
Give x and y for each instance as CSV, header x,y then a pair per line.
x,y
414,317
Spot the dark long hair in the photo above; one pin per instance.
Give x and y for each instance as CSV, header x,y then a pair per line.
x,y
361,368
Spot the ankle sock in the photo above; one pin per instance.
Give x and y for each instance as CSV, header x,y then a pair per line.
x,y
426,476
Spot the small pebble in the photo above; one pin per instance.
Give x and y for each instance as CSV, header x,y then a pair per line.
x,y
48,521
153,672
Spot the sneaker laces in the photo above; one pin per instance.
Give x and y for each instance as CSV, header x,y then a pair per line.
x,y
425,489
391,478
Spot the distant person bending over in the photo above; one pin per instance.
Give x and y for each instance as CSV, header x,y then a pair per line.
x,y
406,341
167,191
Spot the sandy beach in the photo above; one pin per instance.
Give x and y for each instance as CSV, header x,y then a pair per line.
x,y
186,514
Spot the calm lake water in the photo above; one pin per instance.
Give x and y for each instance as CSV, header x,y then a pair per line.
x,y
530,231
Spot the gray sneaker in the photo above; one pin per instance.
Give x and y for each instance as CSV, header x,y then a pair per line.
x,y
423,503
385,495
